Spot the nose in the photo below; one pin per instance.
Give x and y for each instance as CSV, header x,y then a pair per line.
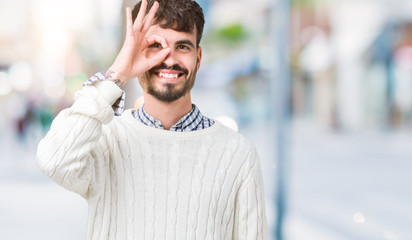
x,y
171,59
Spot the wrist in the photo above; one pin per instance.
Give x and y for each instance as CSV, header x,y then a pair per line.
x,y
115,77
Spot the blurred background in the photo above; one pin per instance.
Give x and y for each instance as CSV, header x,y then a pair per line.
x,y
322,87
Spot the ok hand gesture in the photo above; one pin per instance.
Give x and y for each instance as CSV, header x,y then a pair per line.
x,y
131,60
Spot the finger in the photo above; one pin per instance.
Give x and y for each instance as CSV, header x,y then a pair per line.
x,y
140,15
155,39
158,58
150,16
129,21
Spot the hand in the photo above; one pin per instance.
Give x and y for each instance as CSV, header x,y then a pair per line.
x,y
131,60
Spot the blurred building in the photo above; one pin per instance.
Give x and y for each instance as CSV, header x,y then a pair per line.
x,y
345,63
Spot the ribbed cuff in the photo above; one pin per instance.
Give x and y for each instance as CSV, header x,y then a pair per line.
x,y
110,91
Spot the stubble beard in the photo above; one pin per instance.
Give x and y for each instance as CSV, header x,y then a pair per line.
x,y
169,92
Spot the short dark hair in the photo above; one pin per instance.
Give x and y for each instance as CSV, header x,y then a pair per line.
x,y
179,15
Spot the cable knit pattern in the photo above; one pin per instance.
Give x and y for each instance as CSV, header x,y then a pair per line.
x,y
145,183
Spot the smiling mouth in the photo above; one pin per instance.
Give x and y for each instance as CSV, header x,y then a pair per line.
x,y
169,75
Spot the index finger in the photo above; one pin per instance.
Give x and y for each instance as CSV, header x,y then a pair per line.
x,y
155,39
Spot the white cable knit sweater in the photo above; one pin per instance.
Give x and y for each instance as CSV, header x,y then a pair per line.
x,y
145,183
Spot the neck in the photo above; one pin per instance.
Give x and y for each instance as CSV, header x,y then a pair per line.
x,y
167,113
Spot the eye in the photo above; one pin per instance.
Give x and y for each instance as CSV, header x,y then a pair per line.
x,y
155,45
183,47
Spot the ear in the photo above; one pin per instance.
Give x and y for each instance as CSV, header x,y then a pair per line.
x,y
199,57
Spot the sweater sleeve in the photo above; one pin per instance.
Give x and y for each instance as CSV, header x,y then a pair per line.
x,y
74,142
118,105
250,221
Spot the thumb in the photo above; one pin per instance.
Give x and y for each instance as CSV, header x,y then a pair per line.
x,y
158,58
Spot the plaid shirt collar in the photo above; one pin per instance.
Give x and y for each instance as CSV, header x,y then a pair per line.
x,y
192,121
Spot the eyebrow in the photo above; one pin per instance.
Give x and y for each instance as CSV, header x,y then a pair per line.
x,y
188,42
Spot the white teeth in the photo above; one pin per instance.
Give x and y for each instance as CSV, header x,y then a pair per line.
x,y
167,75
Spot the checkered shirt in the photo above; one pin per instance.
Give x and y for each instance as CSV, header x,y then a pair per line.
x,y
192,121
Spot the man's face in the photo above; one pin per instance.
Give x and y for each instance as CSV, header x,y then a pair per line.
x,y
175,76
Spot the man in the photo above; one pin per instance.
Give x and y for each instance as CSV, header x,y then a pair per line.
x,y
163,171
